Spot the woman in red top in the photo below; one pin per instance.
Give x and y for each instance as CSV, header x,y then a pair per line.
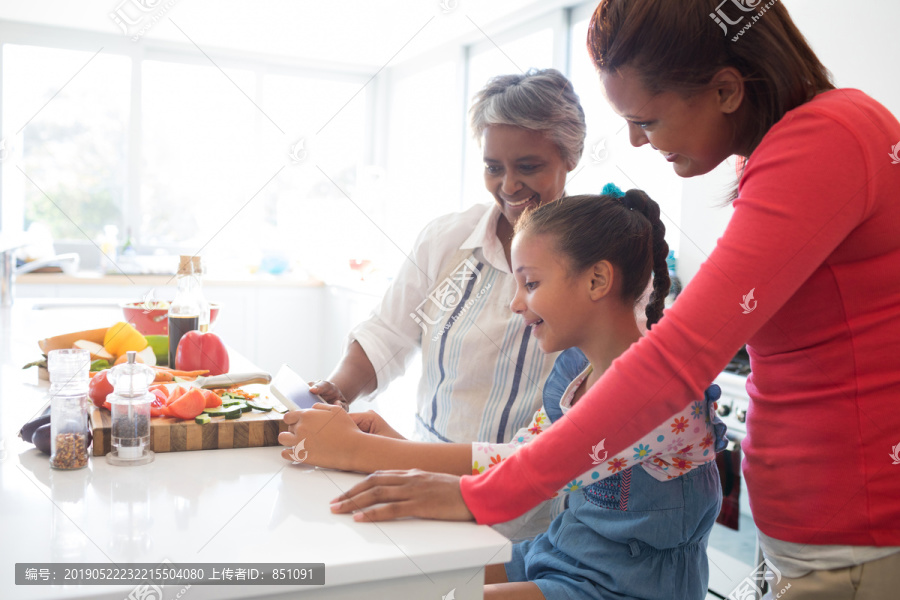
x,y
807,275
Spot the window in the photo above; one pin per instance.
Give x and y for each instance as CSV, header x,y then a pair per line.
x,y
70,138
204,151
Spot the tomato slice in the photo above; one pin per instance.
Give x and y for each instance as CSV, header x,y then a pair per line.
x,y
213,400
188,406
157,407
176,393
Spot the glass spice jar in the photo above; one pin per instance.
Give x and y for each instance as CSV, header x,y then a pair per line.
x,y
69,427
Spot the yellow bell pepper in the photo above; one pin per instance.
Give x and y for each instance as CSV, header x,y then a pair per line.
x,y
122,337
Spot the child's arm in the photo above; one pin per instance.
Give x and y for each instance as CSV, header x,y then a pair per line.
x,y
332,439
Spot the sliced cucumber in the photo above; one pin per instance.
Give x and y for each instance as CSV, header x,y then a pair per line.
x,y
229,412
229,401
258,406
202,419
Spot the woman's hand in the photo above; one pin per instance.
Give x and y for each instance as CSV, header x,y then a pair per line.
x,y
329,393
328,434
373,423
404,494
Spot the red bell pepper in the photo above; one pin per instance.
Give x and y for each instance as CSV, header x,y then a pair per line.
x,y
197,351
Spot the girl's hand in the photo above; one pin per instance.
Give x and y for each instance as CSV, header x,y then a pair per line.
x,y
328,435
329,393
404,494
373,423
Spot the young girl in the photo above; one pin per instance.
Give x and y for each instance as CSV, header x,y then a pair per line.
x,y
637,524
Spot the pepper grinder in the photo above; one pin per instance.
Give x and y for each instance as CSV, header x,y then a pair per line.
x,y
130,413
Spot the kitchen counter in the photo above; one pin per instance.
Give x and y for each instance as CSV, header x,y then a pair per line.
x,y
224,506
91,278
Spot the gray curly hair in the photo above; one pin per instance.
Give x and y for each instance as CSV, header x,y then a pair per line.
x,y
540,100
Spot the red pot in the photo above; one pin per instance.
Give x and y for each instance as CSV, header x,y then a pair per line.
x,y
154,321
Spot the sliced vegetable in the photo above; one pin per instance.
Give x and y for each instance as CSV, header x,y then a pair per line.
x,y
187,406
212,399
258,406
222,411
158,406
175,393
202,419
97,351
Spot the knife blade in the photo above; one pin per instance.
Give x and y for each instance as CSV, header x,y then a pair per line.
x,y
227,380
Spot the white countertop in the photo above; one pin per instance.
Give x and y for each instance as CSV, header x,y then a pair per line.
x,y
244,505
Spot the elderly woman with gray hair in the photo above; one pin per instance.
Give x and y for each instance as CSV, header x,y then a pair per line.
x,y
482,372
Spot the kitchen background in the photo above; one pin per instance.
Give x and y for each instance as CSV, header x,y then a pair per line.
x,y
289,142
301,146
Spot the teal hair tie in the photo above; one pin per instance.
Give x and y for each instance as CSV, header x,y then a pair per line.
x,y
611,189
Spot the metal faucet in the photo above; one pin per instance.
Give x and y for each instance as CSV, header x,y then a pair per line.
x,y
67,262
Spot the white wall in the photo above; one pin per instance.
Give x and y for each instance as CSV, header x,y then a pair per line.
x,y
857,42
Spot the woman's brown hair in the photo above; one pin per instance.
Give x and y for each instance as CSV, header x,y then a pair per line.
x,y
626,231
678,45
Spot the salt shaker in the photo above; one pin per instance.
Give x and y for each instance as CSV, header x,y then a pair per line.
x,y
130,413
69,429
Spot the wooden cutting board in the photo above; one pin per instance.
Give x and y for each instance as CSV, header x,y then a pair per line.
x,y
167,434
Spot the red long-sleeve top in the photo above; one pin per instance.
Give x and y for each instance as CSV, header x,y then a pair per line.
x,y
815,237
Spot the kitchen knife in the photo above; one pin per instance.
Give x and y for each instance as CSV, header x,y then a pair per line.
x,y
292,390
227,380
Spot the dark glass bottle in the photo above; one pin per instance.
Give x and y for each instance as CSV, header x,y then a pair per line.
x,y
187,307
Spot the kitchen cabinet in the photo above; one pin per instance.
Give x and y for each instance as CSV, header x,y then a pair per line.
x,y
226,506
